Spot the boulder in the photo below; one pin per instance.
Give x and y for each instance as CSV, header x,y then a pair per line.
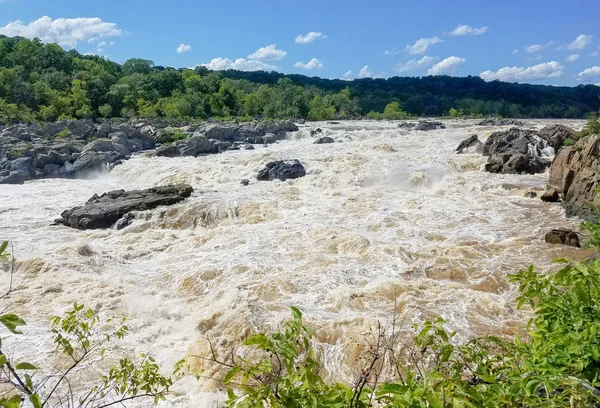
x,y
15,177
316,131
550,196
245,182
407,125
426,125
323,140
555,135
472,144
196,145
93,161
106,210
563,237
516,151
282,170
501,122
531,194
575,174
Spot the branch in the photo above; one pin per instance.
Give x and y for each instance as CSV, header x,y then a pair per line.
x,y
24,387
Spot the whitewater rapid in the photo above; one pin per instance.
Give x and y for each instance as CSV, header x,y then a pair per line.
x,y
383,217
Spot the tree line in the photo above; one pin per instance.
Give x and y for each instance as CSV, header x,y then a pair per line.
x,y
44,82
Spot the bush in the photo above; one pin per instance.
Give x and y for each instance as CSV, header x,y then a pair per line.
x,y
63,134
170,136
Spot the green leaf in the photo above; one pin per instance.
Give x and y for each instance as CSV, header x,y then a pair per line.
x,y
3,360
259,340
231,373
35,401
3,246
13,402
296,312
26,366
12,321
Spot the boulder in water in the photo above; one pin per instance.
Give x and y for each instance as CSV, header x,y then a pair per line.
x,y
426,125
282,170
501,122
105,210
472,144
316,131
563,237
550,196
516,151
323,140
555,135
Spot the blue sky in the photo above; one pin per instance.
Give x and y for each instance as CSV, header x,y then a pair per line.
x,y
549,42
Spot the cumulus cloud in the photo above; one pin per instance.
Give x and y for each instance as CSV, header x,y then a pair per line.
x,y
573,57
241,64
515,51
446,66
581,42
550,69
312,64
468,30
414,64
589,73
348,75
310,37
183,48
367,72
268,53
393,51
421,45
67,32
532,49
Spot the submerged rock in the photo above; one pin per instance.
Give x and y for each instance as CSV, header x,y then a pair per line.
x,y
563,237
105,210
282,170
324,140
426,125
472,144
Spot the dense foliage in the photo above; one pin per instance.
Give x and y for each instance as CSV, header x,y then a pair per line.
x,y
43,82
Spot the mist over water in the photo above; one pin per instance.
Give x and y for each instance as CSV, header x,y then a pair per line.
x,y
384,219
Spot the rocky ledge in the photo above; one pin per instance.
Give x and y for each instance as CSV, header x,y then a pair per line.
x,y
78,148
106,210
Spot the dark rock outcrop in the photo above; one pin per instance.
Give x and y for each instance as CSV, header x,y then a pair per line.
x,y
426,125
516,151
407,125
324,140
555,135
316,131
575,174
282,170
563,237
550,196
106,210
472,144
501,122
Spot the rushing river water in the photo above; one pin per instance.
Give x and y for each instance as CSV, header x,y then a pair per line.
x,y
384,217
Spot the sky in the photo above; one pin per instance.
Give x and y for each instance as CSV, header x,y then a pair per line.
x,y
553,42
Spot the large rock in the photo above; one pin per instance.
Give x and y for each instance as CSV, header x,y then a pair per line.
x,y
282,170
426,125
472,144
105,210
575,174
324,140
15,177
501,122
550,196
555,135
563,237
517,151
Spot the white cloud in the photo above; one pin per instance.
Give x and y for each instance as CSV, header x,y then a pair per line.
x,y
268,53
393,51
447,66
414,64
535,58
241,64
515,51
67,32
541,71
589,73
348,75
573,58
421,45
468,30
183,48
594,54
580,42
367,72
310,37
598,84
532,49
312,64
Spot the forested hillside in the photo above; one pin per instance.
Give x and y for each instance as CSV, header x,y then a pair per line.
x,y
43,82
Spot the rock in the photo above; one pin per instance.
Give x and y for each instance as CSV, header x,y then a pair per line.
x,y
16,177
531,194
563,237
66,169
501,122
316,131
168,151
248,147
516,151
126,221
51,169
472,144
332,122
245,182
92,161
24,164
575,174
550,196
196,145
105,210
426,125
555,135
323,140
407,125
282,170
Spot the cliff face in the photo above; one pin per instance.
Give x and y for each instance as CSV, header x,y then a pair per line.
x,y
575,174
